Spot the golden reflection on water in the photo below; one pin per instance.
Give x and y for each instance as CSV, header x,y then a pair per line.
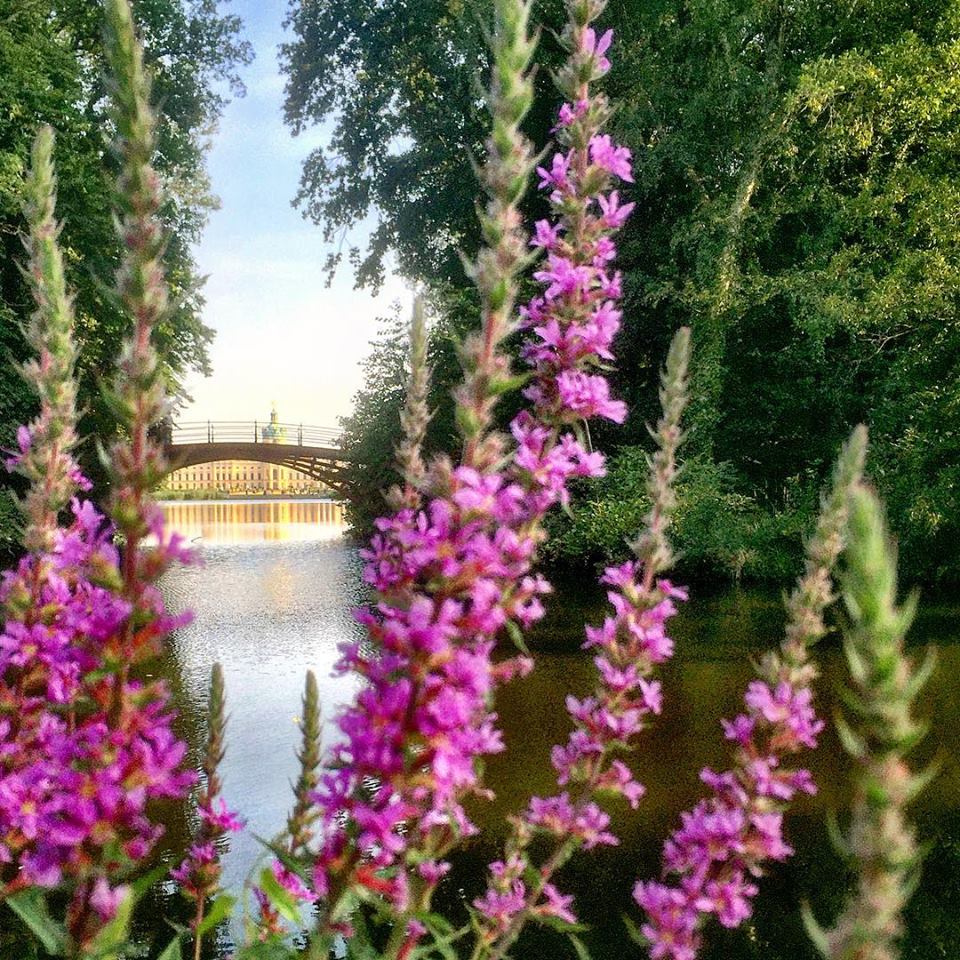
x,y
250,521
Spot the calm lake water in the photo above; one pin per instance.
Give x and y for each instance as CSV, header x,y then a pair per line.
x,y
273,599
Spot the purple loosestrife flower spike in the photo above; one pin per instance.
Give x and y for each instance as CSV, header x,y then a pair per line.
x,y
449,576
414,418
456,573
652,547
880,733
303,818
199,874
301,825
44,456
136,461
504,177
86,749
92,746
630,644
725,843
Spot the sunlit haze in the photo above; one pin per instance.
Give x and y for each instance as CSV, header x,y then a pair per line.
x,y
282,335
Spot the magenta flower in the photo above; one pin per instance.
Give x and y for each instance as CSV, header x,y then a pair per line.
x,y
72,791
570,114
723,844
557,176
616,160
597,48
547,235
106,900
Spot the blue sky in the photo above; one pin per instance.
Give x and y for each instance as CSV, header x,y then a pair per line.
x,y
282,335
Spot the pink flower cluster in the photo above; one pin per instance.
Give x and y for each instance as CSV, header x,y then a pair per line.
x,y
507,897
723,843
631,643
580,289
573,324
199,873
451,576
455,573
270,923
24,458
84,748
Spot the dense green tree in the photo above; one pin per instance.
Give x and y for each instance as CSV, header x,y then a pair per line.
x,y
796,169
372,431
799,165
51,71
401,81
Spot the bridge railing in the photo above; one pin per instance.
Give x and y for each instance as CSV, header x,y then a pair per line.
x,y
250,431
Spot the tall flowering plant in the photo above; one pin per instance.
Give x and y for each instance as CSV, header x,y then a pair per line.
x,y
713,860
453,568
198,876
628,646
880,733
86,745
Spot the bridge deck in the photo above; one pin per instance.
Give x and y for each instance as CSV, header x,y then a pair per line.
x,y
313,451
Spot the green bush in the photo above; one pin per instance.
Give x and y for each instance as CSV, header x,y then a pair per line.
x,y
720,530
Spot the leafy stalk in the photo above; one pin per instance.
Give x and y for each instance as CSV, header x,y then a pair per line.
x,y
136,462
45,446
504,178
415,416
304,815
881,730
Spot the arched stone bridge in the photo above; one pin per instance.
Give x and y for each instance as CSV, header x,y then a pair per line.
x,y
314,451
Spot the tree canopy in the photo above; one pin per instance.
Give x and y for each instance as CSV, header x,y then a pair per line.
x,y
796,177
51,71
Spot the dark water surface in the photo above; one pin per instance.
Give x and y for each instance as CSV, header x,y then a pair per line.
x,y
273,600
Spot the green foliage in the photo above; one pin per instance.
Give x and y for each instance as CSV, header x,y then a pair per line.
x,y
372,432
796,176
31,907
718,530
404,96
51,71
11,524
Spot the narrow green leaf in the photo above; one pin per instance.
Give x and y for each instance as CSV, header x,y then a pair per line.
x,y
633,932
31,908
852,743
277,848
564,926
173,951
578,945
516,635
815,932
142,885
219,910
921,675
837,839
281,899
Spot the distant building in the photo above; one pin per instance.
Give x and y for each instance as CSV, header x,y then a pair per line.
x,y
245,477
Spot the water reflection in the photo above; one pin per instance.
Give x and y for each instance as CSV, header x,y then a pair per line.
x,y
274,598
248,521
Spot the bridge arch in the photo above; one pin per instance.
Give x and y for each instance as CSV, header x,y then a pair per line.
x,y
314,454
